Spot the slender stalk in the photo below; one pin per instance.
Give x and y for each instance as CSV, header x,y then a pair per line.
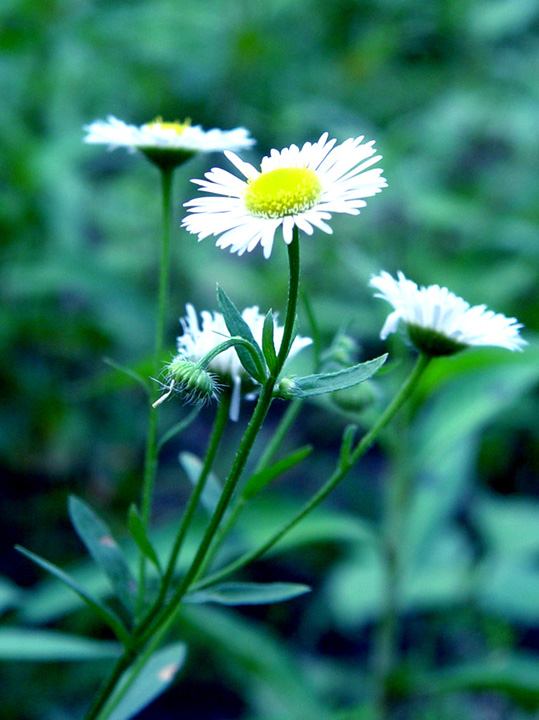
x,y
114,700
156,620
386,638
273,445
271,448
340,472
150,462
149,626
215,440
108,686
280,433
292,303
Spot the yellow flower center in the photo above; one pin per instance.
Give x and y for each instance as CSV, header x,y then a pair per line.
x,y
176,126
283,191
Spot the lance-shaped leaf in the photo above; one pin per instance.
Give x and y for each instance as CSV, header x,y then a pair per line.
x,y
237,326
246,593
107,615
133,374
139,535
27,644
259,480
330,382
104,549
212,489
150,682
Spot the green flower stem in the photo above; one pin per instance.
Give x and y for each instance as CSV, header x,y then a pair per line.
x,y
292,303
149,626
114,700
272,447
152,627
215,440
386,638
345,464
150,463
288,419
109,685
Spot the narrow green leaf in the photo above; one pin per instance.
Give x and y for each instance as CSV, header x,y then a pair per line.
x,y
258,660
329,382
138,533
212,489
104,549
130,373
268,343
24,644
109,617
153,680
246,593
237,326
180,426
259,480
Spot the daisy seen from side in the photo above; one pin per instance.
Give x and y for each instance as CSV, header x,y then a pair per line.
x,y
295,188
439,322
172,142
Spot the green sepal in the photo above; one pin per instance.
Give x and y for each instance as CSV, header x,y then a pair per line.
x,y
237,326
107,615
104,549
139,535
330,382
268,343
247,593
137,691
259,480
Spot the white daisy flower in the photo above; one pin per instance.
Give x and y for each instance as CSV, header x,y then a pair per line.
x,y
197,341
158,139
294,187
441,323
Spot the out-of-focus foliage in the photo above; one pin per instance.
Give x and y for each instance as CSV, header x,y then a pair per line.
x,y
449,92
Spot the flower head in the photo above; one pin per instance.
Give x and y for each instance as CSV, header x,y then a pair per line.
x,y
293,188
165,142
441,323
197,341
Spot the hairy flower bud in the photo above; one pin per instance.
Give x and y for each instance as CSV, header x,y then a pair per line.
x,y
193,383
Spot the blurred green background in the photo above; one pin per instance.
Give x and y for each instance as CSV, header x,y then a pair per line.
x,y
448,89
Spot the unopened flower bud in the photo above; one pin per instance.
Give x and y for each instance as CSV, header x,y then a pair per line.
x,y
285,388
356,398
196,385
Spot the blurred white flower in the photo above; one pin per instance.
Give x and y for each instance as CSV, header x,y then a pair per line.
x,y
197,341
294,187
441,323
158,136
